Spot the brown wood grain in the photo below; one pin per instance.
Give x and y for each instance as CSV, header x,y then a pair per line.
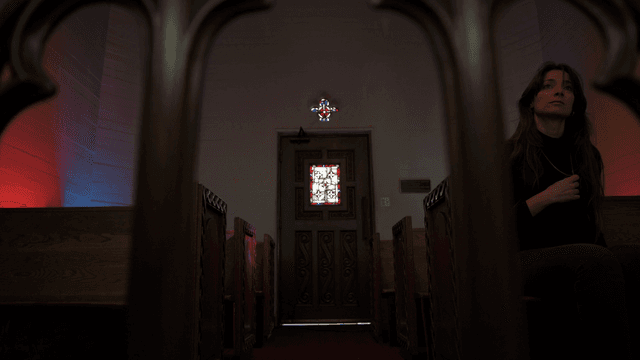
x,y
269,285
386,258
621,220
376,288
420,261
240,283
65,255
405,289
259,265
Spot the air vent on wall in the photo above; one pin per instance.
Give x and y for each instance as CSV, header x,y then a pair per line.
x,y
415,186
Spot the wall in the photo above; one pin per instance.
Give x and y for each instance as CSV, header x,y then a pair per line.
x,y
46,153
116,157
79,148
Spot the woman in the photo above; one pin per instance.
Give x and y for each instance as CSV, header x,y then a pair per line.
x,y
559,188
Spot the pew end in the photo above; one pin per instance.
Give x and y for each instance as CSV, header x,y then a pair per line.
x,y
240,291
265,318
412,300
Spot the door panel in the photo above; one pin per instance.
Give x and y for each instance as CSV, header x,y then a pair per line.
x,y
324,261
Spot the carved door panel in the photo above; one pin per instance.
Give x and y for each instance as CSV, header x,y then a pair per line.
x,y
324,263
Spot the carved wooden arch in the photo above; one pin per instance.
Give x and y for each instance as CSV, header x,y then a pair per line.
x,y
460,34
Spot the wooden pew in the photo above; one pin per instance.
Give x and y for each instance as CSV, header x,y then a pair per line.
x,y
265,290
440,264
551,322
239,284
388,331
76,261
410,294
376,288
213,223
388,300
373,240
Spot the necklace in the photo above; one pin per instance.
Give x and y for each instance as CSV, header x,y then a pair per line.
x,y
570,159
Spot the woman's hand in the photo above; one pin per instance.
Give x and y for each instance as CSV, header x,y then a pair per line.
x,y
563,191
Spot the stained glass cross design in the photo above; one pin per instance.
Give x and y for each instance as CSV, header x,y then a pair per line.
x,y
324,186
323,110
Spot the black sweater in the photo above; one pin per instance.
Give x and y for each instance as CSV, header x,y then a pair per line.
x,y
559,223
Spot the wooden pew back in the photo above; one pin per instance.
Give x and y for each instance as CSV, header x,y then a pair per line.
x,y
268,289
240,284
419,261
404,276
65,255
442,284
213,222
78,259
376,288
620,217
265,308
387,282
386,262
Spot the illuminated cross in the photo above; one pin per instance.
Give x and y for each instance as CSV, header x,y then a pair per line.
x,y
323,110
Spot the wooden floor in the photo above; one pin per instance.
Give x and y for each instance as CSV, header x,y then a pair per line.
x,y
339,342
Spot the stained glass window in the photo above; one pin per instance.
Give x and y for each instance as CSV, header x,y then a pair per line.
x,y
324,110
324,187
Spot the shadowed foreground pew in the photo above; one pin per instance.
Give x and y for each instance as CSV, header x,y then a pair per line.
x,y
412,298
376,289
388,299
553,323
379,329
65,271
383,318
265,318
239,285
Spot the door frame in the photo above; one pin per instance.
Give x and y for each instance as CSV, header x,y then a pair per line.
x,y
311,133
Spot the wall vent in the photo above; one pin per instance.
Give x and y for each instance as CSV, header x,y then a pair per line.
x,y
414,186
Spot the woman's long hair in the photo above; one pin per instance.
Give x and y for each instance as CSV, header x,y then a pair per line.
x,y
526,143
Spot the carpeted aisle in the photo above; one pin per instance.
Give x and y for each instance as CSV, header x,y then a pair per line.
x,y
339,342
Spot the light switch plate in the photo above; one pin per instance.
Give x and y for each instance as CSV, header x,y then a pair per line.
x,y
385,201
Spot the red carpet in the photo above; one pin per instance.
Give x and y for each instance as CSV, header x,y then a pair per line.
x,y
340,342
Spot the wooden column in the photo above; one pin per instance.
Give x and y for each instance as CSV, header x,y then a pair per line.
x,y
162,287
488,284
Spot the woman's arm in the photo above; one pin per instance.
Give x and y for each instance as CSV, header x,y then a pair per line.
x,y
562,191
538,202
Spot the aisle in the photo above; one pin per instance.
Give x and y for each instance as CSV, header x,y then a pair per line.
x,y
346,342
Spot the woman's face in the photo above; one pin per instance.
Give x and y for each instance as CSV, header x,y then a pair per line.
x,y
555,98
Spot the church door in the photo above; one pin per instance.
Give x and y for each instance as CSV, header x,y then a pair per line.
x,y
324,263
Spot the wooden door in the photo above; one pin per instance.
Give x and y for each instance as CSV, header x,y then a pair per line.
x,y
324,263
